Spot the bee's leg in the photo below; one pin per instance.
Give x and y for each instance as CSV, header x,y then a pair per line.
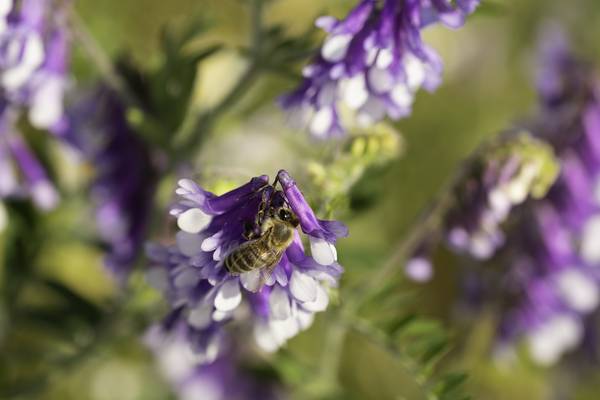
x,y
249,231
260,216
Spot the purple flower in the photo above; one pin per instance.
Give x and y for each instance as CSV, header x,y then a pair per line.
x,y
560,242
224,378
33,64
549,276
204,296
125,177
372,63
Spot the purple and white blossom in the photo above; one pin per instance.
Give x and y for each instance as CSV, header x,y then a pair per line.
x,y
372,63
224,378
484,201
558,256
33,63
122,189
204,297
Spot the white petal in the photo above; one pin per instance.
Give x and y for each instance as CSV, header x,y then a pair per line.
x,y
284,329
543,348
200,316
211,243
381,80
481,246
578,291
500,203
251,280
217,254
321,251
419,269
354,91
303,287
384,58
402,96
590,239
335,47
333,250
32,57
280,276
371,112
5,7
229,296
305,319
415,72
327,94
218,315
320,303
279,303
188,244
187,184
264,338
322,122
193,220
44,195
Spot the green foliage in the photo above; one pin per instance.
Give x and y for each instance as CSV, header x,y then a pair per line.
x,y
418,343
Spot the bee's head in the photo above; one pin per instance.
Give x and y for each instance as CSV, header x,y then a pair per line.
x,y
287,215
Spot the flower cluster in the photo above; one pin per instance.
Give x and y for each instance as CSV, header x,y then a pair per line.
x,y
518,169
125,178
33,63
372,62
223,379
549,279
558,253
204,296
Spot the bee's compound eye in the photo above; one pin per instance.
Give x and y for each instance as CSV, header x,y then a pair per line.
x,y
285,215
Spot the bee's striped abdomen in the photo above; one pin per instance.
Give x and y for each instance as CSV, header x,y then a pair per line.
x,y
255,254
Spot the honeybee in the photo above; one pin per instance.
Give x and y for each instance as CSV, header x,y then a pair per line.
x,y
264,252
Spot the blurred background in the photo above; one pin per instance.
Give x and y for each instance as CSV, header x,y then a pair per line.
x,y
489,82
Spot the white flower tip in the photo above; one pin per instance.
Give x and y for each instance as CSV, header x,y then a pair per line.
x,y
279,304
419,269
590,251
44,195
303,286
187,184
578,291
200,317
354,91
415,72
47,108
335,47
229,296
189,244
322,121
558,335
193,220
251,280
322,251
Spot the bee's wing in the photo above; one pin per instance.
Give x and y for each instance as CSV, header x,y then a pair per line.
x,y
266,275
